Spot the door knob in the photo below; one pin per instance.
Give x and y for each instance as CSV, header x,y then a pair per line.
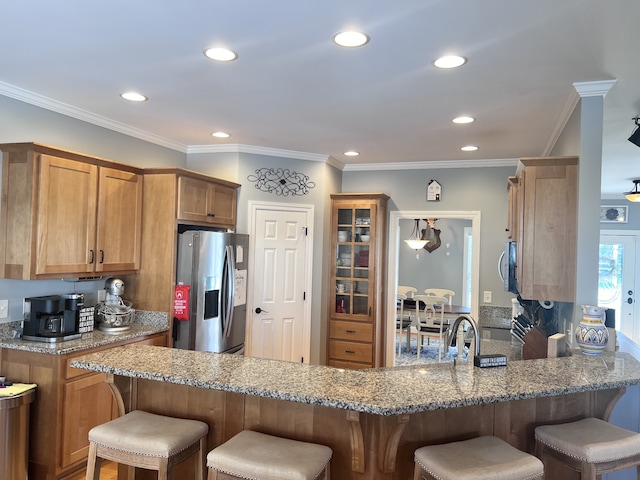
x,y
259,310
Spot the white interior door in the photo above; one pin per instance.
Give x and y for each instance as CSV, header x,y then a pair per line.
x,y
280,311
617,278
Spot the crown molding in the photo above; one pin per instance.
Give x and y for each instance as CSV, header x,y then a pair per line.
x,y
70,111
257,150
505,162
569,106
594,89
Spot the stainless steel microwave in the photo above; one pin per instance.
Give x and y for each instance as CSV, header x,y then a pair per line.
x,y
507,264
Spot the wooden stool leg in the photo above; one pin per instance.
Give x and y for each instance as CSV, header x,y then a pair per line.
x,y
201,459
588,471
163,469
638,472
213,474
93,463
417,470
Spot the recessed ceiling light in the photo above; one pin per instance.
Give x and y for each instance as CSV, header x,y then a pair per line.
x,y
133,96
351,39
352,153
469,148
450,61
220,135
463,119
221,54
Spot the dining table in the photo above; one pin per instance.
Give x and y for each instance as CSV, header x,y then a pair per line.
x,y
450,312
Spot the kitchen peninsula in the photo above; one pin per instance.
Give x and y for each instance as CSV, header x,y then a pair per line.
x,y
372,419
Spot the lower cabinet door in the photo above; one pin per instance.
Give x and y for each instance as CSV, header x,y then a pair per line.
x,y
88,402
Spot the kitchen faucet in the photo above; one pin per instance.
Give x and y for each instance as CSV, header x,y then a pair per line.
x,y
474,326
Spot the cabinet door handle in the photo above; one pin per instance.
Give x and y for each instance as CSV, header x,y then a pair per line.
x,y
211,214
92,256
101,256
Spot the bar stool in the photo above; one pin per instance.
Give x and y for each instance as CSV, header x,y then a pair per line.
x,y
590,446
146,440
481,458
257,456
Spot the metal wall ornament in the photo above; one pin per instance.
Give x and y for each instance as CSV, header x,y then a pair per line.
x,y
281,181
431,234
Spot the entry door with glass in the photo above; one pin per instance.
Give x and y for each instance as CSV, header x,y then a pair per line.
x,y
616,282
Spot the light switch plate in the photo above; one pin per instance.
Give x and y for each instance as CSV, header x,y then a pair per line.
x,y
4,308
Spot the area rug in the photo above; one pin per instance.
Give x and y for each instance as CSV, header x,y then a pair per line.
x,y
428,354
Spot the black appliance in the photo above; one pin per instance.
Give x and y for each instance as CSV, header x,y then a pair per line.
x,y
54,318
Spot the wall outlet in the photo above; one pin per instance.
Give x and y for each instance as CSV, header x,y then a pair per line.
x,y
4,308
487,297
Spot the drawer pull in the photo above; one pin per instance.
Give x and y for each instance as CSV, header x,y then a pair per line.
x,y
351,331
350,351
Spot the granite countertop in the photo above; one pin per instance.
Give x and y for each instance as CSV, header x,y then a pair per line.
x,y
388,391
146,323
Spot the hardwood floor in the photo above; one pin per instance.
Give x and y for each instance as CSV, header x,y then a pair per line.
x,y
109,471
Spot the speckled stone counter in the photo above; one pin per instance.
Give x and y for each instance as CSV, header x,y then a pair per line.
x,y
390,391
373,420
146,323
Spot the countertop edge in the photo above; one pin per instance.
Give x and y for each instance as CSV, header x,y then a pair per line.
x,y
382,391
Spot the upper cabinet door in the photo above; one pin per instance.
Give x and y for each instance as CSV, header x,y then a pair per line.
x,y
207,202
66,219
119,221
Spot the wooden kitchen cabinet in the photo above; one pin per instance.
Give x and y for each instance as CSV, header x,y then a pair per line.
x,y
206,201
547,215
357,280
69,402
66,214
173,198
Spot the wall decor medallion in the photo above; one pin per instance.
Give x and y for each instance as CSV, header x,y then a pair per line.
x,y
281,181
613,213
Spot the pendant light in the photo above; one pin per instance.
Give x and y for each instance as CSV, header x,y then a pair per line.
x,y
633,195
414,241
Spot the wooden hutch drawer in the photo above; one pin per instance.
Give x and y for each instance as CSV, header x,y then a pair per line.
x,y
355,331
351,351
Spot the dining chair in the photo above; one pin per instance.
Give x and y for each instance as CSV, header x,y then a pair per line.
x,y
430,322
402,323
408,291
441,292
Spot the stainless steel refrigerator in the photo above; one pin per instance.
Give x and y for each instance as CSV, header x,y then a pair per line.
x,y
214,266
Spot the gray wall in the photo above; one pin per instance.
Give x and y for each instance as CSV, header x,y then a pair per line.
x,y
21,122
463,189
441,268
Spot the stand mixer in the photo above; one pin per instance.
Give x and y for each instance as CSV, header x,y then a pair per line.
x,y
114,315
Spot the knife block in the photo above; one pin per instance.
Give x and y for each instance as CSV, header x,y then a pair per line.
x,y
535,344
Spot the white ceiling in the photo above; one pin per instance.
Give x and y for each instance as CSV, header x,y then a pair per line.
x,y
292,89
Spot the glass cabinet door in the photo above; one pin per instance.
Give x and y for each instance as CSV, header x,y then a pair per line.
x,y
353,274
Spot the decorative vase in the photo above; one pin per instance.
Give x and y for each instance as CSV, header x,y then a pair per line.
x,y
592,334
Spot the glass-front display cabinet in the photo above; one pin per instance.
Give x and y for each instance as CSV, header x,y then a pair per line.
x,y
357,280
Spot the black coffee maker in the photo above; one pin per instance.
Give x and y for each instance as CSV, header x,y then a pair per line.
x,y
55,318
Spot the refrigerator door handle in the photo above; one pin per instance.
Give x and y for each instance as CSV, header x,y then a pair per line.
x,y
230,266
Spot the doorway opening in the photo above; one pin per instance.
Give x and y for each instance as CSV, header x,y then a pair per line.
x,y
395,243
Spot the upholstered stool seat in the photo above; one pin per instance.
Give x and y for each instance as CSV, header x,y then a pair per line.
x,y
146,440
590,446
481,458
257,456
